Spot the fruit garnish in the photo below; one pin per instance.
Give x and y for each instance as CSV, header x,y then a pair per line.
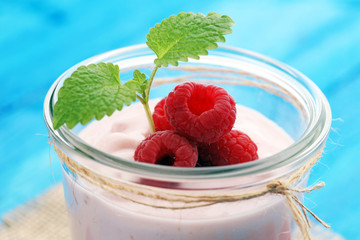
x,y
203,113
167,148
198,112
233,148
95,90
160,117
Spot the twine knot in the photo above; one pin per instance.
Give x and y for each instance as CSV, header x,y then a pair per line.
x,y
277,186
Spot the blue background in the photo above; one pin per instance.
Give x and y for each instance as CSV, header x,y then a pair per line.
x,y
39,40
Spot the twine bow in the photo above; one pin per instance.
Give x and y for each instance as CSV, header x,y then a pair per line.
x,y
300,217
297,208
282,187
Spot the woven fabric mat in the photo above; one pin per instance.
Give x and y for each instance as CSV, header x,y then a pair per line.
x,y
45,218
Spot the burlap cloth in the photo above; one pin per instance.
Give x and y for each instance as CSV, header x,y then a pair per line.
x,y
45,218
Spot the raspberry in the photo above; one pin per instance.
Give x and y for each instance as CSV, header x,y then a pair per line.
x,y
167,148
159,116
235,147
203,113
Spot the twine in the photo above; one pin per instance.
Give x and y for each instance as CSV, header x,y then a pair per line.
x,y
282,187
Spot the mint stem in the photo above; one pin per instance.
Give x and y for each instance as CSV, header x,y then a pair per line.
x,y
151,79
140,99
149,117
145,101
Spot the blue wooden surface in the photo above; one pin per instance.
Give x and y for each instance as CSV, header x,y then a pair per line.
x,y
41,39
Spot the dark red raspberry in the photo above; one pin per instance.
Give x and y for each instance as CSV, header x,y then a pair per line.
x,y
203,113
235,147
167,148
159,116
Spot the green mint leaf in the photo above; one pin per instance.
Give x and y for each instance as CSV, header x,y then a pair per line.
x,y
139,83
91,91
187,35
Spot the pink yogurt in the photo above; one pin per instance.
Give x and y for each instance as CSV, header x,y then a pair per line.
x,y
98,215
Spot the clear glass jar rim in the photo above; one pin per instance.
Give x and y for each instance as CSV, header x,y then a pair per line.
x,y
294,156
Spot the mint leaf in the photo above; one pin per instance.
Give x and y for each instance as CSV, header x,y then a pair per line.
x,y
91,91
139,83
187,35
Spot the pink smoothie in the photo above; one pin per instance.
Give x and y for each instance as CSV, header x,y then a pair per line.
x,y
98,215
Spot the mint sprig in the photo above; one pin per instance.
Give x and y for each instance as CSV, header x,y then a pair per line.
x,y
95,90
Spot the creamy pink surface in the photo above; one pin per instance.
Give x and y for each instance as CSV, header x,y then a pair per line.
x,y
123,131
96,214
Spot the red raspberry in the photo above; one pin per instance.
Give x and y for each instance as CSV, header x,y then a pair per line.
x,y
235,147
159,116
167,148
201,112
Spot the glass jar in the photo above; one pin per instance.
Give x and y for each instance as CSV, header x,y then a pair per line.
x,y
122,208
